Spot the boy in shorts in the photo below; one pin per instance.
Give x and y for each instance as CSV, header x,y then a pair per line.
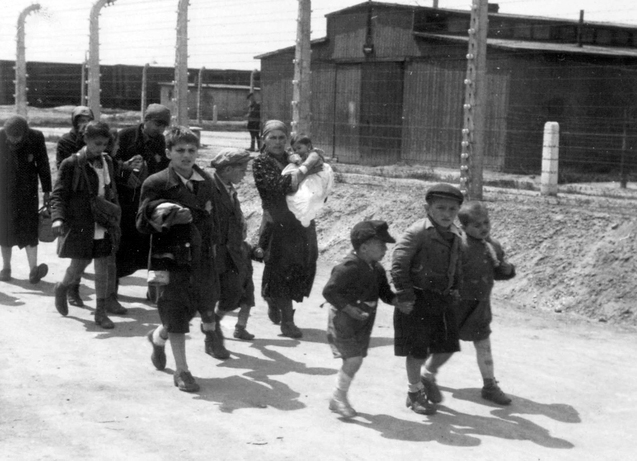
x,y
352,292
177,210
425,269
482,262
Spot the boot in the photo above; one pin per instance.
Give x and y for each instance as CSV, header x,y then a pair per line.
x,y
101,319
214,343
113,305
73,295
288,328
240,331
60,299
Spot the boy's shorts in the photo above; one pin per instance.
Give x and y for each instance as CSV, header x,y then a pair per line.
x,y
430,328
346,336
186,295
474,319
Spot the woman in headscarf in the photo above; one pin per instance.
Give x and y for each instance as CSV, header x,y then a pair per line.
x,y
23,159
290,250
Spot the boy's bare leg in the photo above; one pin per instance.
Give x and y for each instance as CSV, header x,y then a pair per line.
x,y
491,391
485,359
178,346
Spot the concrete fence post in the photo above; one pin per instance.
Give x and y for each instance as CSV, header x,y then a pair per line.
x,y
21,63
550,158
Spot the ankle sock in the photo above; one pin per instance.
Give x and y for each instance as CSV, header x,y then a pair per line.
x,y
157,339
343,381
414,388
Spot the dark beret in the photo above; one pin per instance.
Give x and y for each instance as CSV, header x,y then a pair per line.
x,y
366,230
230,156
444,190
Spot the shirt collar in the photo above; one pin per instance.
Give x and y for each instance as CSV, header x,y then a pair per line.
x,y
195,177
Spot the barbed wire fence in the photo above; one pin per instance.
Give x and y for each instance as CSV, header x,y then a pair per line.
x,y
372,109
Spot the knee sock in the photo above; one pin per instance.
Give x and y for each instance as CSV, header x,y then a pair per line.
x,y
158,339
343,382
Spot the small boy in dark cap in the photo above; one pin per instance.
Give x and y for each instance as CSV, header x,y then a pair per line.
x,y
425,272
352,292
233,263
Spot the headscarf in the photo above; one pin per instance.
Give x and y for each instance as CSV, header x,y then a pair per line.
x,y
273,125
16,125
81,111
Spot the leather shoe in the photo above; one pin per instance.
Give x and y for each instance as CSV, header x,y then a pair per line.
x,y
214,344
114,307
290,330
431,389
38,273
274,314
60,299
158,357
418,403
73,296
342,407
185,382
242,333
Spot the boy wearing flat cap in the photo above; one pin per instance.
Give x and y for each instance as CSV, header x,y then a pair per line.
x,y
352,292
233,264
425,272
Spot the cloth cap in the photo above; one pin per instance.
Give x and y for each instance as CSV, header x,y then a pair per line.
x,y
157,112
16,126
273,125
366,230
444,190
230,156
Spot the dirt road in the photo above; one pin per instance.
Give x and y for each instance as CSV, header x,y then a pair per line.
x,y
73,391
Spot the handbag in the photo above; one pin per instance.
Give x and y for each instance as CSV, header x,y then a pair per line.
x,y
45,231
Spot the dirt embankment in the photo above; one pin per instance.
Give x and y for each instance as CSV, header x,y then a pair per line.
x,y
573,254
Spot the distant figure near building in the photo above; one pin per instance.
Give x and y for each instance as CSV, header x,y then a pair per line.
x,y
254,122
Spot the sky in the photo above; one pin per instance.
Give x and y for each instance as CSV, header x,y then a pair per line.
x,y
223,34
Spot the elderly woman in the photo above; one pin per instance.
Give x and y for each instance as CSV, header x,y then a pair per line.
x,y
23,160
290,250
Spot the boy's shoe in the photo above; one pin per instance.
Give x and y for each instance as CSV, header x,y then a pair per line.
x,y
73,296
113,305
38,273
60,299
342,407
102,320
431,389
5,275
242,333
290,330
418,403
158,357
494,394
214,344
274,314
185,382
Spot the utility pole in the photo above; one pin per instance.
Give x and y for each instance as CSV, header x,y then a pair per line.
x,y
181,65
200,94
94,58
21,62
83,101
144,97
473,142
302,93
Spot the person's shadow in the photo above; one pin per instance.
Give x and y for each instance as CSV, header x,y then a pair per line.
x,y
256,388
451,427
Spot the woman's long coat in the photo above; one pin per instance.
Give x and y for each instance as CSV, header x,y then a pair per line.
x,y
20,168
